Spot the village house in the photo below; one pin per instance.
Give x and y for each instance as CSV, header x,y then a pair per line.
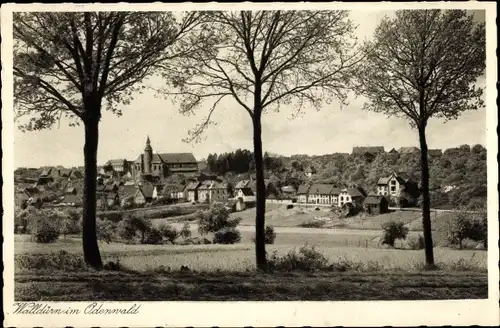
x,y
144,194
174,191
45,177
376,204
192,191
320,193
156,166
409,150
368,150
393,185
212,191
302,193
350,195
119,165
126,194
288,192
71,200
310,171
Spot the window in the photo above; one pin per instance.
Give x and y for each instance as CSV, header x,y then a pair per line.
x,y
393,188
393,182
341,198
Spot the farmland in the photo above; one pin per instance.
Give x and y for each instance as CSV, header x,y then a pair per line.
x,y
352,244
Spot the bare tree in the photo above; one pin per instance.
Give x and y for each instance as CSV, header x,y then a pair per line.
x,y
423,64
71,65
266,60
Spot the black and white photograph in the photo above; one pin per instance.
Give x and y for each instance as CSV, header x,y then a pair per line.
x,y
217,152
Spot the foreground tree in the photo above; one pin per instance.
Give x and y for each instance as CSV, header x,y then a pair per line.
x,y
423,64
265,60
74,64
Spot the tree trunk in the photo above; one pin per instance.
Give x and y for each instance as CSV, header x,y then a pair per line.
x,y
426,207
90,247
260,246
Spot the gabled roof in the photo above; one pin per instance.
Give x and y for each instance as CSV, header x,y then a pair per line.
x,y
320,189
383,181
76,174
354,192
408,150
247,191
242,184
70,189
127,190
147,190
335,191
168,188
111,195
193,185
46,172
302,190
174,158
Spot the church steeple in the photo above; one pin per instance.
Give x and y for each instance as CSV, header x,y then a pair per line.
x,y
148,156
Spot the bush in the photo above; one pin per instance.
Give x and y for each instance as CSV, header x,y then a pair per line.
x,y
128,227
71,223
466,225
312,224
270,235
416,242
215,219
306,259
106,230
186,231
169,232
52,261
46,230
392,231
154,236
227,236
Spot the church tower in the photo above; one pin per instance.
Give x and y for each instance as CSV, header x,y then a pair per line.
x,y
148,157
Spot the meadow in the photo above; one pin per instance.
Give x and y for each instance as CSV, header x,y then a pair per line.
x,y
364,269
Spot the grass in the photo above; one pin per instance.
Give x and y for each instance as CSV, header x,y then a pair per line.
x,y
247,286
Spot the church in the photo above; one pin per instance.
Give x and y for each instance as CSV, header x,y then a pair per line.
x,y
157,167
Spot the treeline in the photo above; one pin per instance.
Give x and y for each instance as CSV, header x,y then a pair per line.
x,y
239,161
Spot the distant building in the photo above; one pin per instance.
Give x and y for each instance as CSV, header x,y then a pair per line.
x,y
192,191
144,194
395,184
288,192
350,195
119,165
302,193
310,171
409,150
376,204
154,166
434,152
320,193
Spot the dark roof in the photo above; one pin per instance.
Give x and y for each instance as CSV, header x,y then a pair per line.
x,y
147,190
175,158
354,192
183,169
383,181
320,188
362,150
46,172
76,174
127,190
247,191
242,184
335,191
173,188
111,195
393,151
302,190
373,200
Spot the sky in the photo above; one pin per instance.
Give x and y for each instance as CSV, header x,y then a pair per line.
x,y
329,130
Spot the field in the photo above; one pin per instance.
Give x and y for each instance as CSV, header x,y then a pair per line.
x,y
227,272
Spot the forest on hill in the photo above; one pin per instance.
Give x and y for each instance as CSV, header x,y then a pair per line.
x,y
457,176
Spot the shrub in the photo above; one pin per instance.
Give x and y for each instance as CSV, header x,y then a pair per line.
x,y
106,230
270,235
186,231
306,259
51,261
312,224
416,242
465,225
215,219
227,236
169,232
46,229
114,216
154,236
71,223
392,231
